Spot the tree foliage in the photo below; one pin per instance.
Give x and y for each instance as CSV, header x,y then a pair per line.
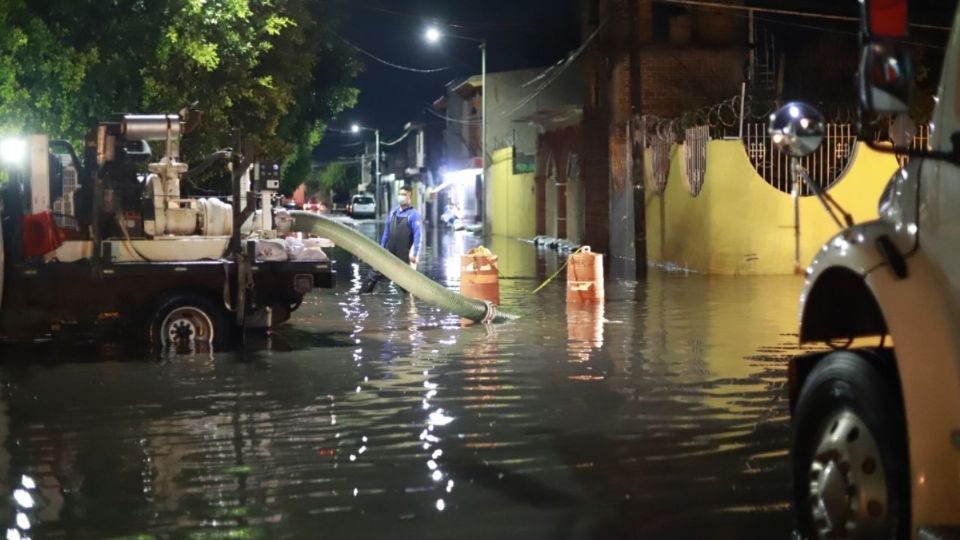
x,y
266,74
337,177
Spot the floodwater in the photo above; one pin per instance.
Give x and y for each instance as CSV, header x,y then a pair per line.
x,y
661,415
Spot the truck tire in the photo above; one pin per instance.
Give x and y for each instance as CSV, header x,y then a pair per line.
x,y
849,453
183,320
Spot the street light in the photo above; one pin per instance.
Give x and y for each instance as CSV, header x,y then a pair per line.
x,y
433,35
357,128
13,151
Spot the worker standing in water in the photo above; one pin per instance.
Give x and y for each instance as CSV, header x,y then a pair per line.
x,y
401,236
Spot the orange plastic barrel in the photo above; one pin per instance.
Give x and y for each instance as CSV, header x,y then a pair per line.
x,y
584,327
480,276
585,277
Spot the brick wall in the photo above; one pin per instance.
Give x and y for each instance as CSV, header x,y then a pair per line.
x,y
674,80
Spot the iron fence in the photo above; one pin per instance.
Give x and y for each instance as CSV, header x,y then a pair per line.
x,y
695,157
825,166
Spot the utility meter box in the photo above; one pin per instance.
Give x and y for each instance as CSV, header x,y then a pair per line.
x,y
269,175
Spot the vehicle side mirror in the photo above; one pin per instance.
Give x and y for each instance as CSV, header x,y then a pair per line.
x,y
886,75
797,129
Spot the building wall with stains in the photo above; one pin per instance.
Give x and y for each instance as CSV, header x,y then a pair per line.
x,y
510,198
739,224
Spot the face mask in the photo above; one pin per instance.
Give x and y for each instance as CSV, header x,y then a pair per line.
x,y
403,200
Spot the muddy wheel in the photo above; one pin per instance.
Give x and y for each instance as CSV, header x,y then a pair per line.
x,y
850,468
188,321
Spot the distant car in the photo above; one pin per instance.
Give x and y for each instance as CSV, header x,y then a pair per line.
x,y
362,206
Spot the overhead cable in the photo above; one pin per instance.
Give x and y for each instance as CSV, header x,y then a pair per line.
x,y
430,110
775,11
571,59
387,62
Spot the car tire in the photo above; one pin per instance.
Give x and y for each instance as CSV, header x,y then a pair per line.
x,y
849,452
186,320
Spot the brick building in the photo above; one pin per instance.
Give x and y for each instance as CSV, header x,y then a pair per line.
x,y
647,58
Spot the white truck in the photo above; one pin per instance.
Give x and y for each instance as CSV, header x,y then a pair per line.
x,y
107,241
876,422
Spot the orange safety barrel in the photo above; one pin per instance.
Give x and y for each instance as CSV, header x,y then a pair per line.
x,y
480,275
585,277
585,326
40,234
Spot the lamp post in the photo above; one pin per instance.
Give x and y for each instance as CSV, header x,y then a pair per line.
x,y
357,128
434,35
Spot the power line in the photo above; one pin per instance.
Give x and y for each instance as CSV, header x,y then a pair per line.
x,y
398,140
430,110
387,62
818,28
559,71
775,11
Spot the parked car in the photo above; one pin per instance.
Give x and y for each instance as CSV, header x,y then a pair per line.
x,y
876,428
362,206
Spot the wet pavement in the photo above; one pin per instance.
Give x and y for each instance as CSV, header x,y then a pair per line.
x,y
660,415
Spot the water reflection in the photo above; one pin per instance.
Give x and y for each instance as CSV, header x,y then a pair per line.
x,y
658,415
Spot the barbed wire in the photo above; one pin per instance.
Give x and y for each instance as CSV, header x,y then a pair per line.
x,y
725,115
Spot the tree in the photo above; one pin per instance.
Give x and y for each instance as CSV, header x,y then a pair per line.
x,y
265,73
337,177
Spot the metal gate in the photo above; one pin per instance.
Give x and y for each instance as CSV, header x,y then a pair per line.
x,y
825,166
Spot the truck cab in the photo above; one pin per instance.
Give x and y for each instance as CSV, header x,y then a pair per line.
x,y
876,420
109,242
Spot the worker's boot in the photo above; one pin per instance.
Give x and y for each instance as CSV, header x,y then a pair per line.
x,y
367,286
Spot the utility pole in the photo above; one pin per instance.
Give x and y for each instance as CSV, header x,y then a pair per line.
x,y
483,132
635,42
376,135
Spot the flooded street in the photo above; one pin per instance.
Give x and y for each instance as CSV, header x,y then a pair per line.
x,y
660,415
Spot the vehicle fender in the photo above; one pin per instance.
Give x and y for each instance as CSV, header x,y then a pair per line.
x,y
835,301
920,319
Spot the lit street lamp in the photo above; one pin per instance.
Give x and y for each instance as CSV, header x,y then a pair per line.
x,y
433,35
357,128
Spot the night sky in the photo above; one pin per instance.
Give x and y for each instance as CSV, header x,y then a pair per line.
x,y
520,34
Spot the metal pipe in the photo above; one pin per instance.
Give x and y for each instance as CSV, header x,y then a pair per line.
x,y
483,129
796,213
376,160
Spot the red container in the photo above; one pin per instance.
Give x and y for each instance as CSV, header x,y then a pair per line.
x,y
40,234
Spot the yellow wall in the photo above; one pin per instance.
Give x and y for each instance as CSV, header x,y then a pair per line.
x,y
511,201
739,224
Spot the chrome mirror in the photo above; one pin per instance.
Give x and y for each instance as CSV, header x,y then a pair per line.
x,y
797,129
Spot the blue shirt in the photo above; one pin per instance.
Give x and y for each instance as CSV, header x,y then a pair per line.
x,y
413,219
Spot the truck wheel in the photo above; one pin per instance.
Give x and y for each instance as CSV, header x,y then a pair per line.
x,y
185,320
850,468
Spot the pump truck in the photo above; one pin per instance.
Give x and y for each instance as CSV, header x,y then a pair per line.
x,y
108,242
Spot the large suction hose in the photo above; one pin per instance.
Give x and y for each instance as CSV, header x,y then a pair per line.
x,y
401,273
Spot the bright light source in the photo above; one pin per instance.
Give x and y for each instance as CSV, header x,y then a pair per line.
x,y
432,34
355,128
13,151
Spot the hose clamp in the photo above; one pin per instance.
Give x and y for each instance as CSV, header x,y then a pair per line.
x,y
491,312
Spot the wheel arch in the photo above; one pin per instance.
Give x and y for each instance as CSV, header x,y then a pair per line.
x,y
840,305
